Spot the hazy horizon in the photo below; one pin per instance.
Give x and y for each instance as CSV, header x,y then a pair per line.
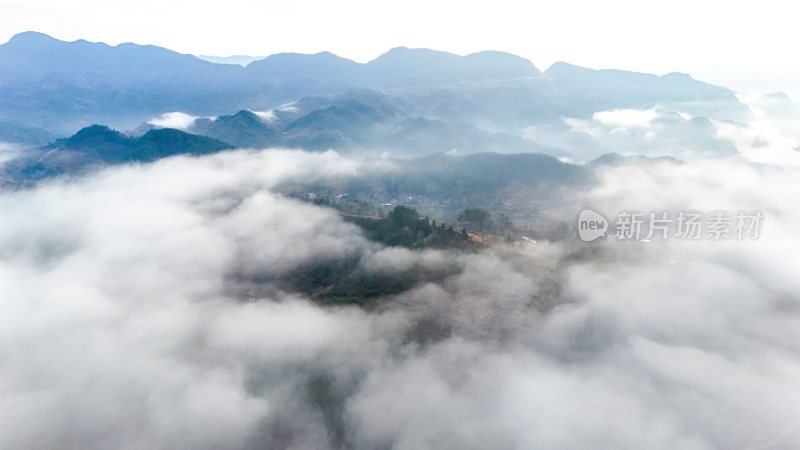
x,y
742,53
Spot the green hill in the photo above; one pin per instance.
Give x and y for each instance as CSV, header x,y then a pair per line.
x,y
98,146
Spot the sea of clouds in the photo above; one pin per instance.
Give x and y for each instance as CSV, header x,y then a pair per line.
x,y
122,323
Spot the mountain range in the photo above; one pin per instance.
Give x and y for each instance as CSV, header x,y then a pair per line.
x,y
59,87
442,119
361,120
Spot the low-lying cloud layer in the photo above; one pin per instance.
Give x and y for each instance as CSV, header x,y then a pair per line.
x,y
121,325
767,133
7,152
176,119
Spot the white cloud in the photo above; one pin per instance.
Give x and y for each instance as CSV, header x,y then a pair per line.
x,y
772,136
119,318
8,152
659,131
121,327
626,118
177,120
266,116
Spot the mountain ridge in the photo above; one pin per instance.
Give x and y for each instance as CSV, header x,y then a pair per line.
x,y
98,146
64,86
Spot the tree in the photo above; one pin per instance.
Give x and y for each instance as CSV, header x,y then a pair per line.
x,y
476,217
404,216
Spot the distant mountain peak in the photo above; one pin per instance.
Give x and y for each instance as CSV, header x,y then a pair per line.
x,y
559,66
317,65
247,117
27,37
494,57
678,75
91,135
34,40
403,66
778,96
93,131
247,114
406,53
429,55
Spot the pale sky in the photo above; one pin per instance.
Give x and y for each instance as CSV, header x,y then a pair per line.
x,y
747,46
